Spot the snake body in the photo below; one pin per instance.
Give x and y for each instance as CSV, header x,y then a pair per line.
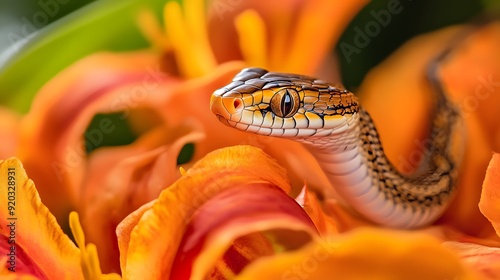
x,y
341,135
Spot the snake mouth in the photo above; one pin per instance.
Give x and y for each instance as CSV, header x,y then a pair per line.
x,y
267,131
342,124
222,119
227,122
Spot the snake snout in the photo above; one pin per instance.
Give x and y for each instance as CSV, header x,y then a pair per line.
x,y
225,106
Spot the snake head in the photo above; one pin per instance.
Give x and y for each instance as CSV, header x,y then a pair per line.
x,y
280,104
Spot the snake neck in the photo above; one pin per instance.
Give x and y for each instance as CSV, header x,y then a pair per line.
x,y
357,167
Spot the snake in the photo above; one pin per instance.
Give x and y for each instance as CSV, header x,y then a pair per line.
x,y
331,123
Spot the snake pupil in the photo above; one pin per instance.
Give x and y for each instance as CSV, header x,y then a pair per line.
x,y
286,103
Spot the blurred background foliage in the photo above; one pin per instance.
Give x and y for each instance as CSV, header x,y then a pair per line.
x,y
34,53
78,32
56,33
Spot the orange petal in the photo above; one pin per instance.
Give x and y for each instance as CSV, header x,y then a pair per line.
x,y
490,197
152,244
364,254
233,214
30,236
485,260
472,75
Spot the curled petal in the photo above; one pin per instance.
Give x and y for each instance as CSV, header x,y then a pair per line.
x,y
52,141
30,236
238,213
152,243
364,254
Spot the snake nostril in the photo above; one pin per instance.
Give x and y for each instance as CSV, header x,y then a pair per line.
x,y
238,104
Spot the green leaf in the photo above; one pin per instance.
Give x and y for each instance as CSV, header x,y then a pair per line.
x,y
102,25
120,133
186,153
491,4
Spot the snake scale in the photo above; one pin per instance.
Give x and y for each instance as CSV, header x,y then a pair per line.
x,y
341,135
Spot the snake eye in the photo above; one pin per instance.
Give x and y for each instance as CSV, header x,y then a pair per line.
x,y
285,103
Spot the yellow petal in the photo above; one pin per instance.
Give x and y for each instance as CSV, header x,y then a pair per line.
x,y
30,236
364,254
91,266
151,29
252,38
186,30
